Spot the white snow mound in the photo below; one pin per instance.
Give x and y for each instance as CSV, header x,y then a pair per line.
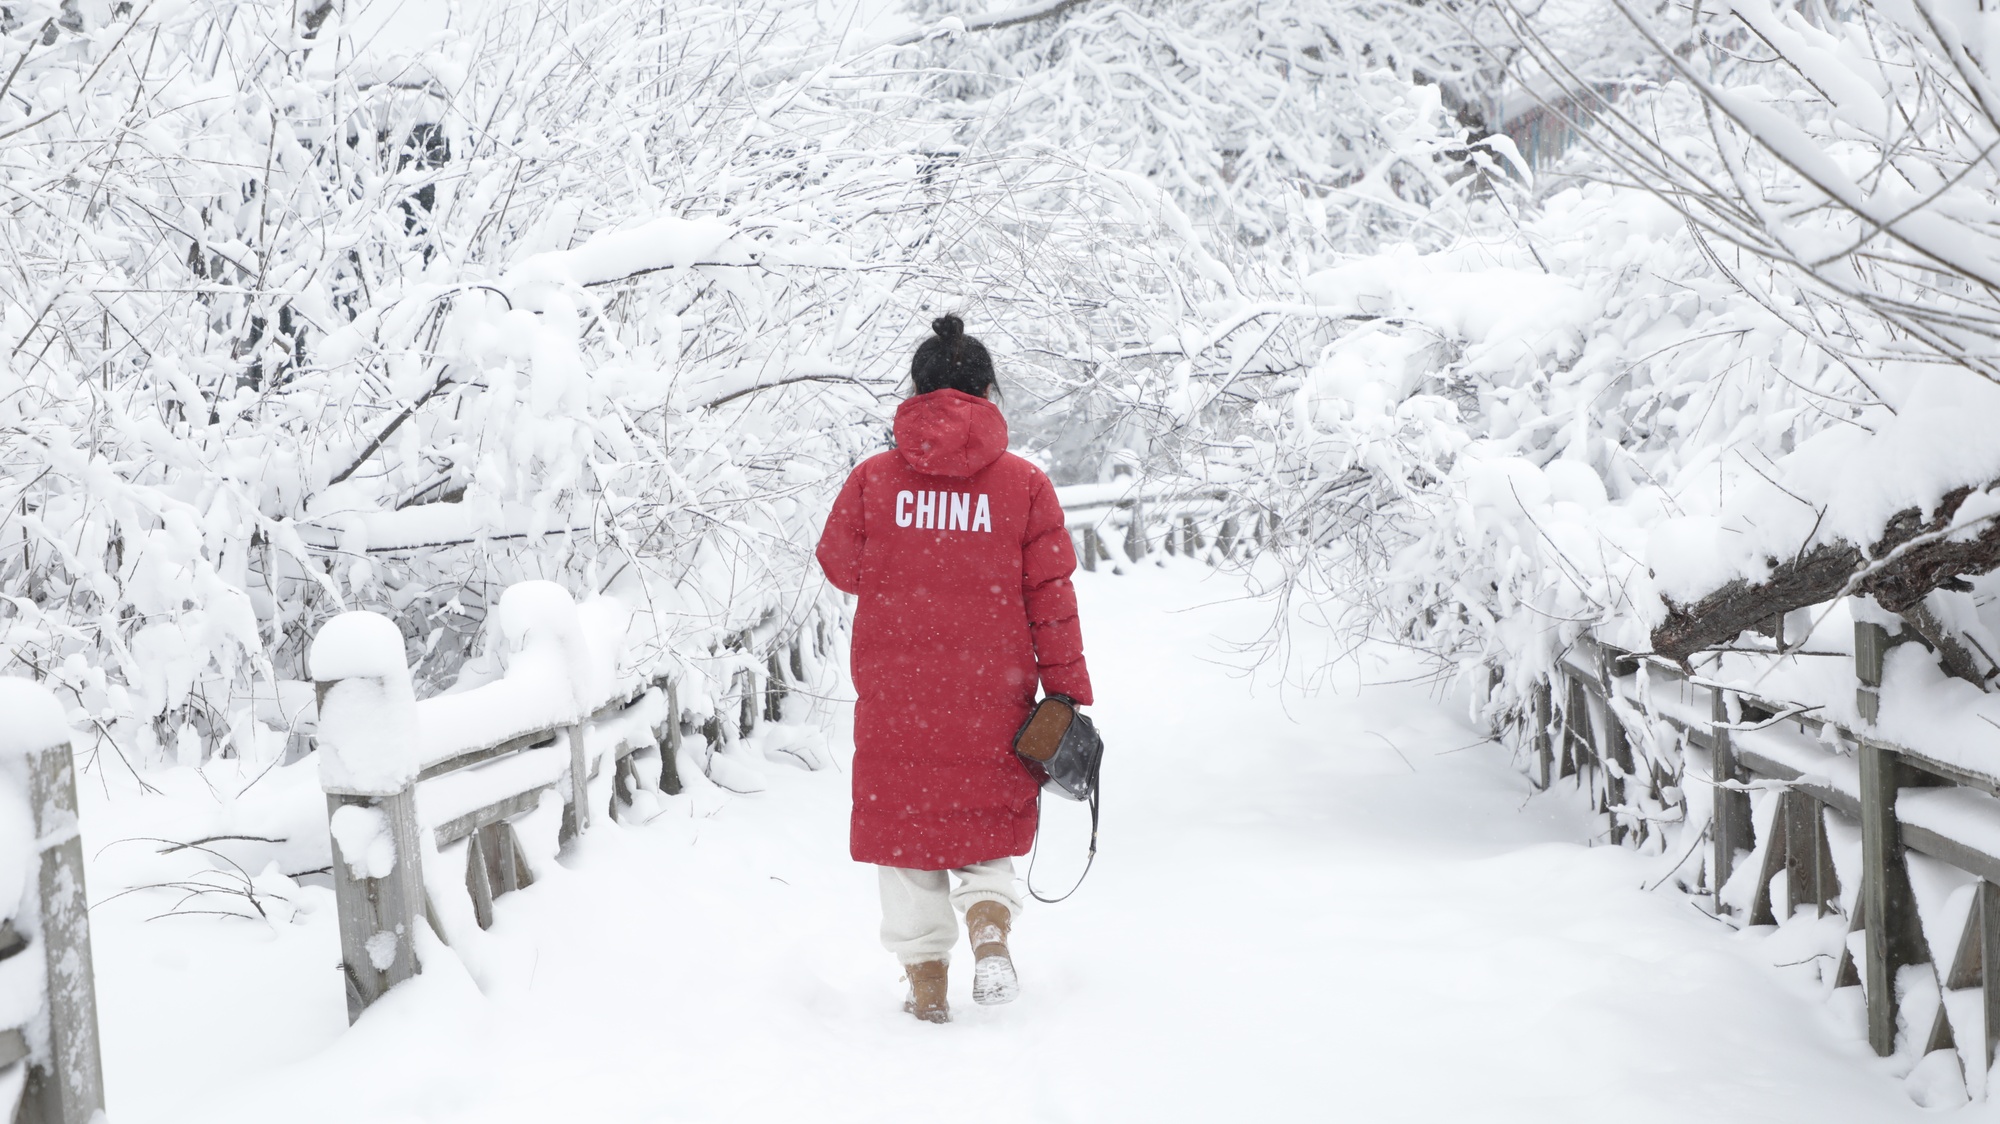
x,y
34,720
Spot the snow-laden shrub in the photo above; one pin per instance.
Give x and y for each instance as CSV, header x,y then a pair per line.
x,y
1239,143
1472,448
1799,348
1763,327
295,327
331,306
1264,121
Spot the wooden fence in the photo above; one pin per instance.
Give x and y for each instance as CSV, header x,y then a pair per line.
x,y
49,1062
434,804
1195,522
1814,814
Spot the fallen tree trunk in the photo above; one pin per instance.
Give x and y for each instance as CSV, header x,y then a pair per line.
x,y
1912,558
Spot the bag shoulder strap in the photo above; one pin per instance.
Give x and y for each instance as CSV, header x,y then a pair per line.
x,y
1089,860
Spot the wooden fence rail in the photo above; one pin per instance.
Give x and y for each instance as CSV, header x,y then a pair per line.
x,y
50,1067
1211,524
1829,791
410,784
1600,721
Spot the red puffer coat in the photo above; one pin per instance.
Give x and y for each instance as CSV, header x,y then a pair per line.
x,y
958,551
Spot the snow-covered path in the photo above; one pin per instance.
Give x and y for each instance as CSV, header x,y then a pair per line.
x,y
1338,907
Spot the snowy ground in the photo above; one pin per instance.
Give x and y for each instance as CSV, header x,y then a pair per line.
x,y
1338,907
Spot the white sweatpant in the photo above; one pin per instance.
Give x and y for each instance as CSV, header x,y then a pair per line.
x,y
920,911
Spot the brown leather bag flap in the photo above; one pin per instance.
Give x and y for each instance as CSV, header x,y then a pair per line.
x,y
1045,729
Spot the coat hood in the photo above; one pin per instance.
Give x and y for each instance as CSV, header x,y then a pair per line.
x,y
949,433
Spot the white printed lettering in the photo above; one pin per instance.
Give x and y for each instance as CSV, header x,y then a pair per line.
x,y
903,501
961,511
982,520
926,511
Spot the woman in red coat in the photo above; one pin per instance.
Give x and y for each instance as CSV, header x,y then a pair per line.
x,y
958,551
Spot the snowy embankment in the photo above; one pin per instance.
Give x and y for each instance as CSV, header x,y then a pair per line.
x,y
1343,905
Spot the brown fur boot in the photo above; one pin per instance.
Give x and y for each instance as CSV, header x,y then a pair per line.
x,y
927,991
993,978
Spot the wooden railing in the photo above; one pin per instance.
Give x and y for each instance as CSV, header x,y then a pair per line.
x,y
420,791
416,793
1842,810
1194,521
50,1068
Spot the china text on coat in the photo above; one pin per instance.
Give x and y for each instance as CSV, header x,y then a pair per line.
x,y
943,511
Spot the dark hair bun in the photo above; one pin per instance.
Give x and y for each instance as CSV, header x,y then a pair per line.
x,y
951,360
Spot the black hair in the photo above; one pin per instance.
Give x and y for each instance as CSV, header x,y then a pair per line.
x,y
951,360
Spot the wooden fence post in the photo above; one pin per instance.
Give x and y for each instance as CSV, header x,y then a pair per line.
x,y
1809,873
1893,937
1619,748
775,688
538,621
1544,715
368,762
1987,906
1871,645
1616,769
494,866
1579,740
1731,829
576,814
1975,963
670,745
1088,537
1135,532
66,1073
1566,763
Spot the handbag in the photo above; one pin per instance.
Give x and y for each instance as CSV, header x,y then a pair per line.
x,y
1061,748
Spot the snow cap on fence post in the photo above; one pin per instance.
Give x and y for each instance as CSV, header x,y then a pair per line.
x,y
367,708
31,725
33,730
544,637
34,719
